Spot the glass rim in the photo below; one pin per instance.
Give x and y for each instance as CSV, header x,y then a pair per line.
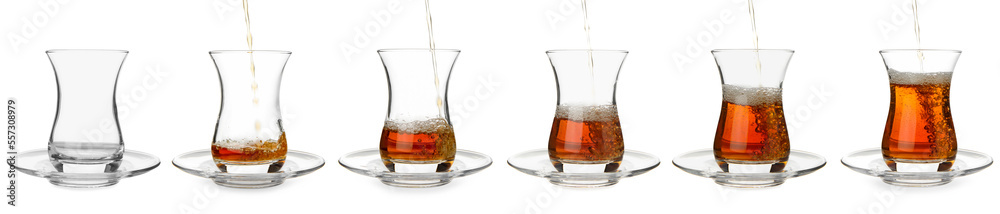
x,y
584,50
245,51
751,49
921,50
85,50
416,49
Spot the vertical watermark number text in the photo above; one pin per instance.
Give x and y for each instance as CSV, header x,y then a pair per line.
x,y
11,150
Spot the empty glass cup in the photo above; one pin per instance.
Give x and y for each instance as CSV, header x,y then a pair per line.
x,y
249,137
919,133
752,136
85,135
586,135
418,136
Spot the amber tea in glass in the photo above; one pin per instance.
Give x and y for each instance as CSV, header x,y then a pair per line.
x,y
752,135
919,132
586,134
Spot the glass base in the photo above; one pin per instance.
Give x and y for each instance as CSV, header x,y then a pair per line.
x,y
84,167
916,182
368,162
83,183
901,165
748,167
538,163
743,167
78,167
566,167
85,175
910,173
200,163
403,167
600,167
748,174
258,167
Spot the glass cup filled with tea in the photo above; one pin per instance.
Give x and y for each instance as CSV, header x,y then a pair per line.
x,y
586,134
752,136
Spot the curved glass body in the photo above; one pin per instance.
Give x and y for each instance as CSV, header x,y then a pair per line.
x,y
418,136
919,132
248,135
586,134
752,135
86,137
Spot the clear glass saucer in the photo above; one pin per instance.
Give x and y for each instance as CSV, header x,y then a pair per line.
x,y
870,162
702,163
200,163
36,163
368,162
537,163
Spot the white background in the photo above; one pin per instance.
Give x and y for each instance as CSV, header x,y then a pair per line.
x,y
334,101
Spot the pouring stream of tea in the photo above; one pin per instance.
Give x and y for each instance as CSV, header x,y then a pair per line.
x,y
253,69
434,61
590,50
916,31
756,48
